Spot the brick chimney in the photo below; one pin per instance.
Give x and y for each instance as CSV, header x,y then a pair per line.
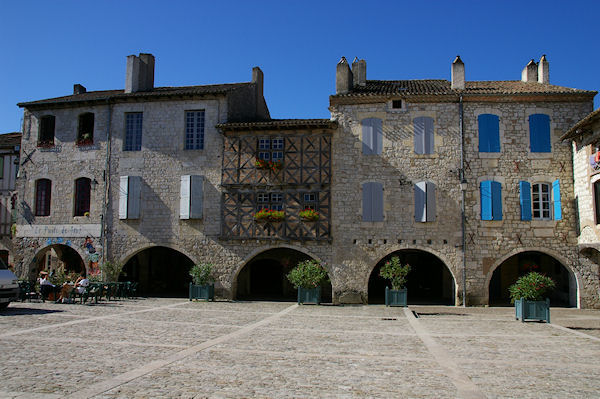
x,y
458,74
78,89
530,72
343,77
359,72
140,73
543,70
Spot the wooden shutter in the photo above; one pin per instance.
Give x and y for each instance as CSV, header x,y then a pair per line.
x,y
377,136
377,201
123,193
430,204
428,137
489,133
496,200
556,200
525,200
134,197
485,192
184,197
367,136
196,197
367,202
420,201
419,135
539,133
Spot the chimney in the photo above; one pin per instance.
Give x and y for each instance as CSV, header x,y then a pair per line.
x,y
543,70
139,75
258,78
359,72
530,72
343,77
458,74
78,89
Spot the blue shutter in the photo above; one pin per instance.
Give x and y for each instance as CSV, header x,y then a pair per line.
x,y
420,201
377,202
489,133
525,200
485,191
419,137
367,136
539,133
377,136
556,200
430,207
367,195
496,200
429,137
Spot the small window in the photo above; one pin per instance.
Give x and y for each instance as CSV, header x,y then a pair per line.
x,y
540,200
43,192
273,201
397,104
133,131
46,133
423,135
310,201
85,130
194,130
271,149
82,196
491,200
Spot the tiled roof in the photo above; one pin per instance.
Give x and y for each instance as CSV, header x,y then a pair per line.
x,y
280,124
583,124
121,95
442,87
10,139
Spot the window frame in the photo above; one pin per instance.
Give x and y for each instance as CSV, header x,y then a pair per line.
x,y
82,200
83,124
43,197
270,200
270,149
537,205
194,129
132,140
46,131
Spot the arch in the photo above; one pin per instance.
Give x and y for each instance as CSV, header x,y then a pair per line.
x,y
573,273
141,247
55,256
432,282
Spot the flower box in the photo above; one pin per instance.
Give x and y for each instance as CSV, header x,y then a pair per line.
x,y
309,295
45,144
269,215
532,310
84,142
396,297
205,292
262,164
309,215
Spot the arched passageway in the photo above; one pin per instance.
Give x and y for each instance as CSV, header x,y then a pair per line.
x,y
264,277
160,271
429,281
565,293
58,257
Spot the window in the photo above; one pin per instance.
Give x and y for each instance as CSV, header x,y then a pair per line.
x,y
130,192
372,136
491,200
597,200
372,196
309,201
191,197
2,167
273,201
540,201
539,133
397,104
85,130
423,135
270,149
424,201
133,131
82,196
43,192
46,133
194,130
489,133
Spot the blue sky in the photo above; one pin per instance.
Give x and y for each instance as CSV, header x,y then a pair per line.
x,y
47,46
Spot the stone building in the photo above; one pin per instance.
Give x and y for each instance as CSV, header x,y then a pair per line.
x,y
10,144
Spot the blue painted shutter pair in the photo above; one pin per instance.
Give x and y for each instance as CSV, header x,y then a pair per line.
x,y
130,192
372,136
491,200
372,202
424,202
525,200
191,195
489,133
539,133
423,137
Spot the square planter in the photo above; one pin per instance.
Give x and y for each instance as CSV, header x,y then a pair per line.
x,y
309,295
206,292
532,310
395,297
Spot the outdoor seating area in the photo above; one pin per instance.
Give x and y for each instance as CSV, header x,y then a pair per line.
x,y
94,292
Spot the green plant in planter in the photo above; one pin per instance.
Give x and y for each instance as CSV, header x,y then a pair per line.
x,y
307,274
396,272
202,274
111,271
531,287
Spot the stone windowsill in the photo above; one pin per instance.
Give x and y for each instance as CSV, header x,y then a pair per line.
x,y
540,155
490,155
491,223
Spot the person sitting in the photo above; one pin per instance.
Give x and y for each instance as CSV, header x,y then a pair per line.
x,y
46,287
82,283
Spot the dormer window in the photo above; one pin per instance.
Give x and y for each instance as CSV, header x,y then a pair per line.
x,y
85,130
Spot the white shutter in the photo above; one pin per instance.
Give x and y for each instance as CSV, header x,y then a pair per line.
x,y
184,198
123,193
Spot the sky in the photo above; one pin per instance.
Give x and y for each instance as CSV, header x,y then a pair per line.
x,y
47,46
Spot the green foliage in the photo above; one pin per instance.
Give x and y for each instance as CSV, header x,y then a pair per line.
x,y
202,274
396,272
59,277
307,274
531,287
95,278
111,271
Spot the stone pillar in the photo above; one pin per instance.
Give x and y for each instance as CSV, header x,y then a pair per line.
x,y
343,77
458,74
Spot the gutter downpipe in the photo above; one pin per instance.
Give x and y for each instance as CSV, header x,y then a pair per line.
x,y
463,189
106,179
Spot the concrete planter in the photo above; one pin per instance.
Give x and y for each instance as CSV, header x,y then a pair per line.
x,y
395,297
532,310
206,292
309,295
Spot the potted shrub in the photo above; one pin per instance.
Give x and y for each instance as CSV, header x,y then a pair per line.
x,y
202,285
307,277
269,215
309,215
396,272
528,296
